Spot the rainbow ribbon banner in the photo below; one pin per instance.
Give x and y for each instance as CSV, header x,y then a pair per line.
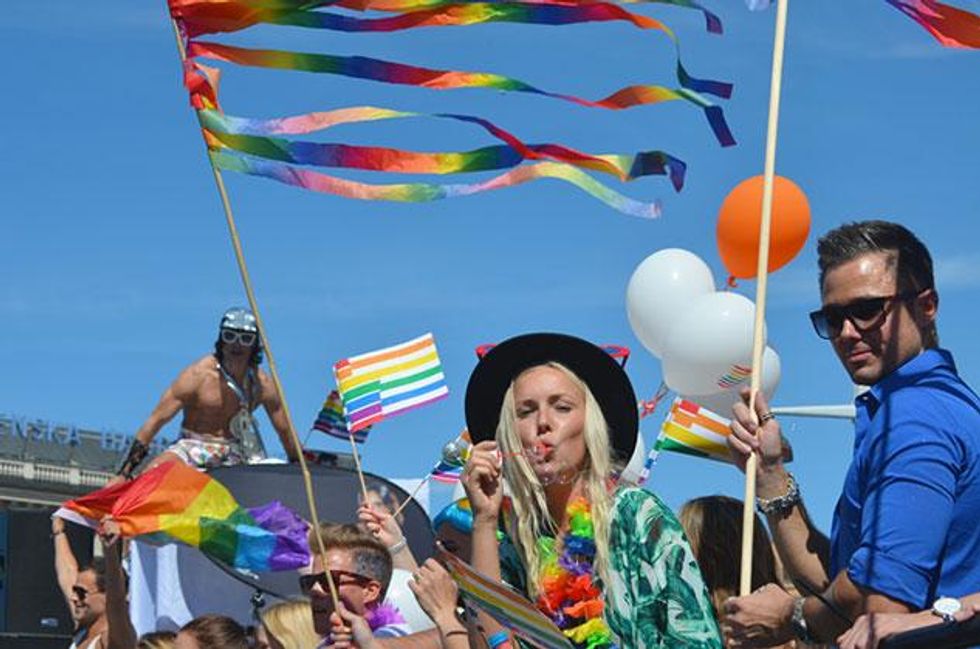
x,y
694,430
390,381
331,420
174,503
505,605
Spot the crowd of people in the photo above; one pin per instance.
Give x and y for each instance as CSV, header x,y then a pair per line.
x,y
553,420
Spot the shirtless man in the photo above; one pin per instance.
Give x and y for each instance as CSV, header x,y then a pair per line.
x,y
217,394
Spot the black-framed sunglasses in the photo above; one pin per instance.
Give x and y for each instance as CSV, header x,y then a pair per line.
x,y
81,593
244,338
865,314
340,578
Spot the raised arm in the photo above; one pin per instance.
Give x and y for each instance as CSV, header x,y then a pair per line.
x,y
121,634
65,564
277,415
803,549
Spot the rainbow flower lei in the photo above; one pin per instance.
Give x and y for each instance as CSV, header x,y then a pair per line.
x,y
568,593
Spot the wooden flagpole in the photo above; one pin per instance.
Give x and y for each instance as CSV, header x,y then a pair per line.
x,y
762,275
273,370
357,463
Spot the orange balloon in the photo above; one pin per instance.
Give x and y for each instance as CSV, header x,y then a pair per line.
x,y
739,219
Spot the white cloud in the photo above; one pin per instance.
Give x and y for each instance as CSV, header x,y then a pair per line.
x,y
958,272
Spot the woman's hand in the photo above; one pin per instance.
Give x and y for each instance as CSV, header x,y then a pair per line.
x,y
436,593
380,524
481,480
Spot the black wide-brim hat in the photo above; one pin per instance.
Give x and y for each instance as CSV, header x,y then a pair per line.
x,y
606,379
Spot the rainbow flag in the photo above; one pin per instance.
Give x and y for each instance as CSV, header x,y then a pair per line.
x,y
505,605
390,381
694,430
174,503
332,422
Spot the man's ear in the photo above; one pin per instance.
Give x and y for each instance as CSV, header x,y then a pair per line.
x,y
927,307
372,593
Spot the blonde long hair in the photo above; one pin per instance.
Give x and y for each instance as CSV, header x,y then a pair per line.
x,y
532,518
291,622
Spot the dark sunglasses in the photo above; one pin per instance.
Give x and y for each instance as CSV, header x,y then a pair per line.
x,y
865,314
81,593
340,578
244,338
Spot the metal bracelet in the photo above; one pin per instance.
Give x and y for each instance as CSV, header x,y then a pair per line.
x,y
781,505
397,547
137,453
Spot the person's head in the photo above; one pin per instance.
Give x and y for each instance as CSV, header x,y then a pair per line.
x,y
879,297
157,640
238,337
211,632
88,593
563,412
287,625
713,525
454,527
359,564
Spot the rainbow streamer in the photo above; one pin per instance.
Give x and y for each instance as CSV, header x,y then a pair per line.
x,y
490,158
174,503
505,605
951,26
694,430
210,18
426,192
390,381
625,167
189,9
331,420
398,73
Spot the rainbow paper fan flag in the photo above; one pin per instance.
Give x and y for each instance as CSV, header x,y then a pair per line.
x,y
331,420
390,381
694,430
174,503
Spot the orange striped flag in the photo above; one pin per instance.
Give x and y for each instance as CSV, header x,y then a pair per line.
x,y
694,430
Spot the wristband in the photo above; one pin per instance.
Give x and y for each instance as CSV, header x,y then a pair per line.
x,y
397,547
781,505
498,638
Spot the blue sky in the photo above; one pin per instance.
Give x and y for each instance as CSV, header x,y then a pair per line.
x,y
116,263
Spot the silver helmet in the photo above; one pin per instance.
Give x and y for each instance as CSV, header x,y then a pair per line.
x,y
239,319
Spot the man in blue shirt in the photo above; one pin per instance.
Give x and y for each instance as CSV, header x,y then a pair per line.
x,y
907,525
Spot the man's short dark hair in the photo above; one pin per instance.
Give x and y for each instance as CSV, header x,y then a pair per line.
x,y
371,557
96,566
907,254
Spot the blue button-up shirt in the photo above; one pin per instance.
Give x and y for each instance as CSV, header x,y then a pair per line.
x,y
907,524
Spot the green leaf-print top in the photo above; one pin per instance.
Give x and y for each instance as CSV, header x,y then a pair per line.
x,y
656,597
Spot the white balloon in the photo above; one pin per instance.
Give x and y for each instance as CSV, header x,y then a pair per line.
x,y
722,402
660,287
710,344
634,467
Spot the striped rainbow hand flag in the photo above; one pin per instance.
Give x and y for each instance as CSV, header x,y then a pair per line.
x,y
694,430
174,503
505,605
390,381
331,420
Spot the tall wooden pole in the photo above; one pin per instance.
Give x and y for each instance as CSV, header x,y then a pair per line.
x,y
762,275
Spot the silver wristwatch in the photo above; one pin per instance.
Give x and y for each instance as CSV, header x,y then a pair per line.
x,y
946,608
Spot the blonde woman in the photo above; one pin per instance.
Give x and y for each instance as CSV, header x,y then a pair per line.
x,y
555,416
287,625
